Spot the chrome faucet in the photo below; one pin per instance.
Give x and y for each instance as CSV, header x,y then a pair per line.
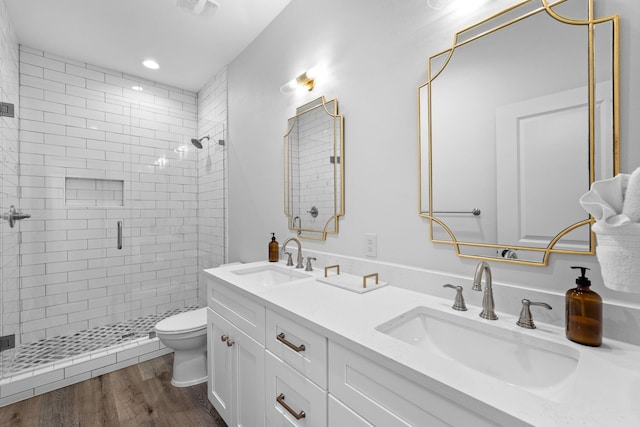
x,y
299,259
487,299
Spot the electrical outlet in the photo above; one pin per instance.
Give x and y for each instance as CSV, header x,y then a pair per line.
x,y
371,245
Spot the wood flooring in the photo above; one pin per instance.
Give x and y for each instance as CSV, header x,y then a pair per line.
x,y
140,395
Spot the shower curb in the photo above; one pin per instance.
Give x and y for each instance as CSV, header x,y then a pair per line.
x,y
60,374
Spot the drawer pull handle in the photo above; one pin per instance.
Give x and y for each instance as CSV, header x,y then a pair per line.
x,y
280,400
293,347
230,343
223,338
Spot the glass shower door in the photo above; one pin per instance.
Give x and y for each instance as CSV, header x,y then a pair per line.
x,y
9,196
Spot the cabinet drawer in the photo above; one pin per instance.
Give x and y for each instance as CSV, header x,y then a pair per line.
x,y
286,339
340,415
384,398
243,312
288,393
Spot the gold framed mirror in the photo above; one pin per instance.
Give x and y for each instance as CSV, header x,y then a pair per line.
x,y
516,120
314,169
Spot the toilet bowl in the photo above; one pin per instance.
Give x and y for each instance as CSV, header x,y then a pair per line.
x,y
186,334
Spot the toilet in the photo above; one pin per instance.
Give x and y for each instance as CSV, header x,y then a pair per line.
x,y
186,334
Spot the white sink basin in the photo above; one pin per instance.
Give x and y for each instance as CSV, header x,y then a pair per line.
x,y
510,356
269,275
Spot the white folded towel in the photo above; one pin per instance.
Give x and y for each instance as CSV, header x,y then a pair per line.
x,y
615,204
631,205
618,251
605,200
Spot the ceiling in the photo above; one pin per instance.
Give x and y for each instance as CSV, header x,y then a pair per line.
x,y
120,34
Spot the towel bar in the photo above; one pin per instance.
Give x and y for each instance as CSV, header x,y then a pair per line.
x,y
474,212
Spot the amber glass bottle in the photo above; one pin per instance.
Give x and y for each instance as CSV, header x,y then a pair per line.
x,y
584,313
274,249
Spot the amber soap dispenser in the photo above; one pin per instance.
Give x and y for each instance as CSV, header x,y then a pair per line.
x,y
274,249
583,312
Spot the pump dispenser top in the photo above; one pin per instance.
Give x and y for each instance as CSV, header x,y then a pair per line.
x,y
583,280
583,312
274,249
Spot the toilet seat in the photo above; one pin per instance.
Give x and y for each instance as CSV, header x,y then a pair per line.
x,y
189,321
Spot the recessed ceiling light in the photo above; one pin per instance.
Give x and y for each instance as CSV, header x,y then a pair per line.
x,y
138,88
150,64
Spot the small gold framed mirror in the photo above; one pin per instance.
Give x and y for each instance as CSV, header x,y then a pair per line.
x,y
314,169
517,118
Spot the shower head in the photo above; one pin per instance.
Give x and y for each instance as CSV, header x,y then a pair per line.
x,y
198,142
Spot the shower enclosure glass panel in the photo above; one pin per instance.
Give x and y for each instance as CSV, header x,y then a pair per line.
x,y
9,196
74,166
211,199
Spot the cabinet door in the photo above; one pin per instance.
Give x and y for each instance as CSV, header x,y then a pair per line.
x,y
248,358
220,384
236,374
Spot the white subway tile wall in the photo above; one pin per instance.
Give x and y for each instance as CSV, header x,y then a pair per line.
x,y
212,120
9,180
95,152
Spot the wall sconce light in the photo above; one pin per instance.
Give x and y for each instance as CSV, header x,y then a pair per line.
x,y
305,80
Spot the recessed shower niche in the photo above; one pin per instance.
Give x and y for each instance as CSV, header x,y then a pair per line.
x,y
93,192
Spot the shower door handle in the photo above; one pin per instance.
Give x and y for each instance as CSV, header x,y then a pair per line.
x,y
119,234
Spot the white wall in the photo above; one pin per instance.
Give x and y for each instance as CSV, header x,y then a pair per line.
x,y
374,54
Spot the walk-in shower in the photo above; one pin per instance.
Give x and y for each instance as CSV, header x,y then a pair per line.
x,y
107,251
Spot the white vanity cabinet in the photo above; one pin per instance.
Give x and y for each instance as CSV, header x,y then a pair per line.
x,y
270,366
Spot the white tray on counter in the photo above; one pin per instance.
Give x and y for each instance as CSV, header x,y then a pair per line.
x,y
352,283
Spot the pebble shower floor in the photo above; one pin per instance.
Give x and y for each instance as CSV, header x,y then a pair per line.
x,y
32,355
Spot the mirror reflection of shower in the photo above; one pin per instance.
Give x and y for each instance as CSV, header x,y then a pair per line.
x,y
297,221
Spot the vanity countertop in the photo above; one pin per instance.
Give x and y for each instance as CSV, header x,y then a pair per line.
x,y
603,390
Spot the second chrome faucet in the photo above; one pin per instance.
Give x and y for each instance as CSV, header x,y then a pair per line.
x,y
488,306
